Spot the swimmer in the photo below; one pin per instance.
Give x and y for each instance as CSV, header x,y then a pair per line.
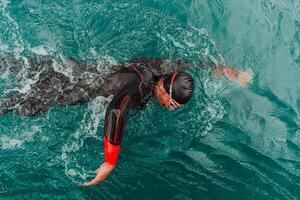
x,y
132,84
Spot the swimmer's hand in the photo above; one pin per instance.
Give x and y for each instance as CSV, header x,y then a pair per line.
x,y
243,78
102,173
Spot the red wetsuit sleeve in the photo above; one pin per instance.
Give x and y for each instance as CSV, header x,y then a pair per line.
x,y
111,152
115,121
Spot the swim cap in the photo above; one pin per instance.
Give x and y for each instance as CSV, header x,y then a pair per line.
x,y
182,87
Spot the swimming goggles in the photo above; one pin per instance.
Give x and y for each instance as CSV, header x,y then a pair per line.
x,y
172,103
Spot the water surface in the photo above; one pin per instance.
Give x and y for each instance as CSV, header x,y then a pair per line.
x,y
228,142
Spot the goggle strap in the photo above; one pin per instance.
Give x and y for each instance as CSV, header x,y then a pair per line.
x,y
171,85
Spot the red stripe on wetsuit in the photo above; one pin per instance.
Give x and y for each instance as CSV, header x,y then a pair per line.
x,y
111,151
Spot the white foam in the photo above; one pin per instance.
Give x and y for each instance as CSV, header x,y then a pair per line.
x,y
44,138
18,41
39,50
71,172
61,69
93,51
214,86
104,63
201,158
5,74
4,3
161,37
89,128
3,47
17,142
23,76
10,143
102,58
216,110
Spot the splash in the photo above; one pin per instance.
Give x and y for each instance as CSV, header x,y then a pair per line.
x,y
69,154
12,30
19,140
8,143
40,50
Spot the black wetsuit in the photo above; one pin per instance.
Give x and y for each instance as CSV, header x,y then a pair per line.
x,y
141,75
131,84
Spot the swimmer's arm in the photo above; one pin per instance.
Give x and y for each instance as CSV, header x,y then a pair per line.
x,y
115,121
111,155
226,71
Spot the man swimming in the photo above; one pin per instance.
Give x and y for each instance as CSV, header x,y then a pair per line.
x,y
131,83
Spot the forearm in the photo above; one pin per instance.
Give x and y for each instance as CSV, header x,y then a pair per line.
x,y
111,152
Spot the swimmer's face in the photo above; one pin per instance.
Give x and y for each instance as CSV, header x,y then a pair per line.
x,y
163,97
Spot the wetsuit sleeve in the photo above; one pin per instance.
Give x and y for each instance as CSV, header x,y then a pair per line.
x,y
116,119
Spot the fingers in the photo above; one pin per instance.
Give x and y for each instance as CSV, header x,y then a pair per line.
x,y
87,183
102,173
245,78
92,182
95,181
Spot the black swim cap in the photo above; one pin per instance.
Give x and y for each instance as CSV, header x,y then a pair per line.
x,y
183,87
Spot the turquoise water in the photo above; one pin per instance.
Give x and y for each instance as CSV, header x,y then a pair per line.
x,y
229,142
